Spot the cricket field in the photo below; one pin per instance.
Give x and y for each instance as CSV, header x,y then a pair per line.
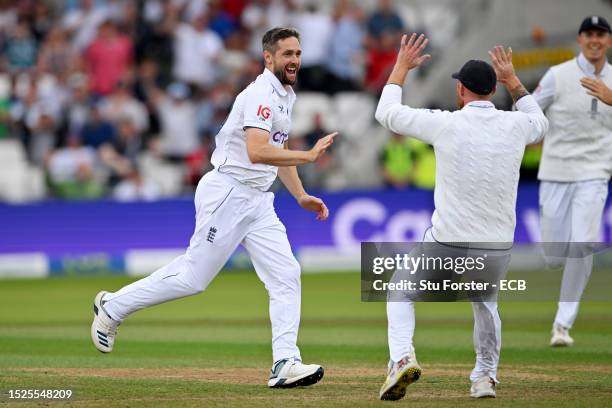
x,y
214,349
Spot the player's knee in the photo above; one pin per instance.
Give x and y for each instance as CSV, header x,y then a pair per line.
x,y
199,286
554,262
196,289
294,274
287,282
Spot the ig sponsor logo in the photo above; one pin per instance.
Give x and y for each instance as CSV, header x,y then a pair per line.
x,y
263,112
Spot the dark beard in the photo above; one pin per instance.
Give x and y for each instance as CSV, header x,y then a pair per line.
x,y
282,77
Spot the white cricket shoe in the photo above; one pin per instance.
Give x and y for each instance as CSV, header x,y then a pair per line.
x,y
560,337
399,377
103,328
484,387
290,372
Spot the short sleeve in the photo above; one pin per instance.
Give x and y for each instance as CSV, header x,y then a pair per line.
x,y
258,108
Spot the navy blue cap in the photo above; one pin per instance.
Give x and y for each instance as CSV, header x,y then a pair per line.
x,y
594,23
477,76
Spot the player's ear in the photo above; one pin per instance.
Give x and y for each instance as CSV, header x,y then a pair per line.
x,y
267,57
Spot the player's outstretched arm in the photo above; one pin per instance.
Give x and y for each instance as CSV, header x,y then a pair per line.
x,y
410,56
260,151
504,69
422,124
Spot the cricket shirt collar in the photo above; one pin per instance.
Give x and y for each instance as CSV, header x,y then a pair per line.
x,y
589,68
276,84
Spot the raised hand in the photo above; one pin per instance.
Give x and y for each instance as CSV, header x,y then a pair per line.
x,y
411,49
321,146
502,63
598,89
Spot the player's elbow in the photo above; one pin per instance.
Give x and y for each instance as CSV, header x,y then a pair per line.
x,y
381,114
543,122
254,156
545,125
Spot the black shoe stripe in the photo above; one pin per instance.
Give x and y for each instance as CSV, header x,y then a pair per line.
x,y
277,368
302,382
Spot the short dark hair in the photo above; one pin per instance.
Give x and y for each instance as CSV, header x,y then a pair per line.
x,y
271,38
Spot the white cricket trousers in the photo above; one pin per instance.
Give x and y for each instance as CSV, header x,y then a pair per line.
x,y
487,332
228,213
572,212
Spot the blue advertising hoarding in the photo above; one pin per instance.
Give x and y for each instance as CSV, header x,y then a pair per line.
x,y
106,230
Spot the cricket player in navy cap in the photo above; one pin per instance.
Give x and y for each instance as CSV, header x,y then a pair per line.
x,y
576,163
478,152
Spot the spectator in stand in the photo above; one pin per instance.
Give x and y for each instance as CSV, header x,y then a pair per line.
x,y
196,51
249,73
384,29
56,56
220,21
385,19
424,172
135,188
21,48
380,62
149,77
177,115
316,30
128,142
260,15
156,44
82,22
120,157
42,122
346,56
42,20
317,172
8,18
397,161
80,99
121,104
234,8
107,58
191,9
71,171
126,15
97,131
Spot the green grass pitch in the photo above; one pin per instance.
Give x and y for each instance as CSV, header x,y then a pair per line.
x,y
214,349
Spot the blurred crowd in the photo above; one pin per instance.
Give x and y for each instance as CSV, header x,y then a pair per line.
x,y
123,98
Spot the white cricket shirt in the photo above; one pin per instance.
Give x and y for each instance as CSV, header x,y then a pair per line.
x,y
478,156
578,146
264,104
